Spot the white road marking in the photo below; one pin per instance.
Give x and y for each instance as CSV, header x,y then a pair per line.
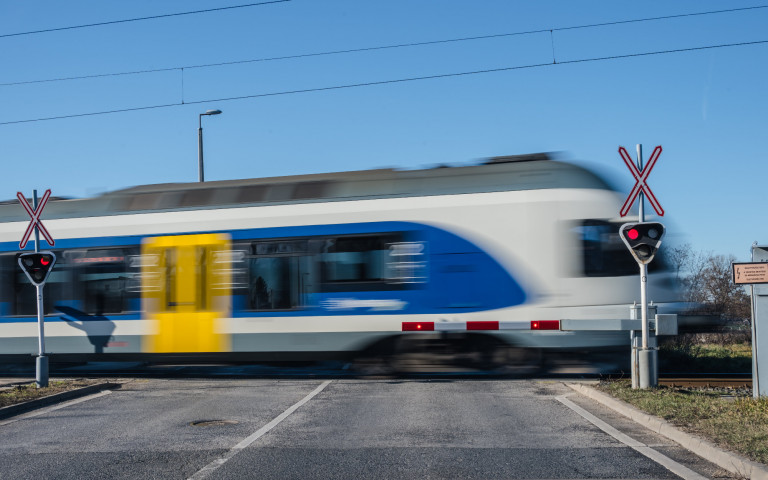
x,y
666,462
211,467
43,411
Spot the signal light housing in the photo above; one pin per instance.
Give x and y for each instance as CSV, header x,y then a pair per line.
x,y
642,239
37,266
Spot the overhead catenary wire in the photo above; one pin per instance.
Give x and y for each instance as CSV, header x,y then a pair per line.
x,y
379,47
128,20
390,81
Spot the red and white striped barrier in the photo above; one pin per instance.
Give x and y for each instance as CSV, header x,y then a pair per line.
x,y
480,325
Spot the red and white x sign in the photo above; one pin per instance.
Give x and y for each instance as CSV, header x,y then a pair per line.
x,y
35,215
640,183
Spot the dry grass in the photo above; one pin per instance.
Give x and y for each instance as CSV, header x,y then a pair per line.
x,y
27,392
731,419
738,424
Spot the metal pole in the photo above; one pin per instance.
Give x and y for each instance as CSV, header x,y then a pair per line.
x,y
40,321
641,210
644,303
37,232
647,357
755,376
643,268
200,174
41,363
755,373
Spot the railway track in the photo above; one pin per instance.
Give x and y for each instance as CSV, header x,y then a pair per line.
x,y
706,382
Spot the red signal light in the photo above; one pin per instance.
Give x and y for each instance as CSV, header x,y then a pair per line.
x,y
418,326
642,239
37,265
545,325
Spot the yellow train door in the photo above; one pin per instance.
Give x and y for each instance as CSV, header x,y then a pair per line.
x,y
186,285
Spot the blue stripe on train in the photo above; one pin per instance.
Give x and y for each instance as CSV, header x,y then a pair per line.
x,y
461,277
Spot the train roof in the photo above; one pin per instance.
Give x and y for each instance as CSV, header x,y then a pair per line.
x,y
510,173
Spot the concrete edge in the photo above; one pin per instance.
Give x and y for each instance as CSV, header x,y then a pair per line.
x,y
13,410
729,461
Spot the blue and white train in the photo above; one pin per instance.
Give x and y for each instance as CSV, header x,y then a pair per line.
x,y
329,265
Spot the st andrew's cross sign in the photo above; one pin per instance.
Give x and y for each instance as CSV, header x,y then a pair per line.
x,y
35,216
641,185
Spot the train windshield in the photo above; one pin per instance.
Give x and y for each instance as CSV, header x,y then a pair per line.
x,y
605,255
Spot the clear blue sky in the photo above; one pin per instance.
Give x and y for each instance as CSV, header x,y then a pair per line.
x,y
707,108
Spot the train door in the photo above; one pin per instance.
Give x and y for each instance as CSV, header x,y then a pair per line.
x,y
186,293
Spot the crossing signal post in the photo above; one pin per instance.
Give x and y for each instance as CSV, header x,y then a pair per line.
x,y
37,266
643,240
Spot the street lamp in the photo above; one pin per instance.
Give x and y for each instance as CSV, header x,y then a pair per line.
x,y
201,176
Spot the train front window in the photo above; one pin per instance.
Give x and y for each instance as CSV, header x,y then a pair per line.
x,y
604,254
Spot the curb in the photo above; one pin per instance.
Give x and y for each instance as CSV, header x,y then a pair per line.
x,y
703,448
13,410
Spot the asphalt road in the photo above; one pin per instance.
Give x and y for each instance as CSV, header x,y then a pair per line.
x,y
341,428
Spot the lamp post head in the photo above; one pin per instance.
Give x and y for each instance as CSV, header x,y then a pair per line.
x,y
208,112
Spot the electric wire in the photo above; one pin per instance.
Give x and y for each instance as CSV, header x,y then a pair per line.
x,y
128,20
391,81
665,17
382,47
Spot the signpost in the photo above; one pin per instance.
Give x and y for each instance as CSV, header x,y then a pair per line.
x,y
755,274
750,273
37,266
642,240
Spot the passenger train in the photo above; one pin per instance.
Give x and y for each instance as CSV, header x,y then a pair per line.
x,y
488,256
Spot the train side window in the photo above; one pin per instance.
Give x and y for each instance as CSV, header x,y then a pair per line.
x,y
357,263
106,280
24,299
283,273
7,283
407,262
279,275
